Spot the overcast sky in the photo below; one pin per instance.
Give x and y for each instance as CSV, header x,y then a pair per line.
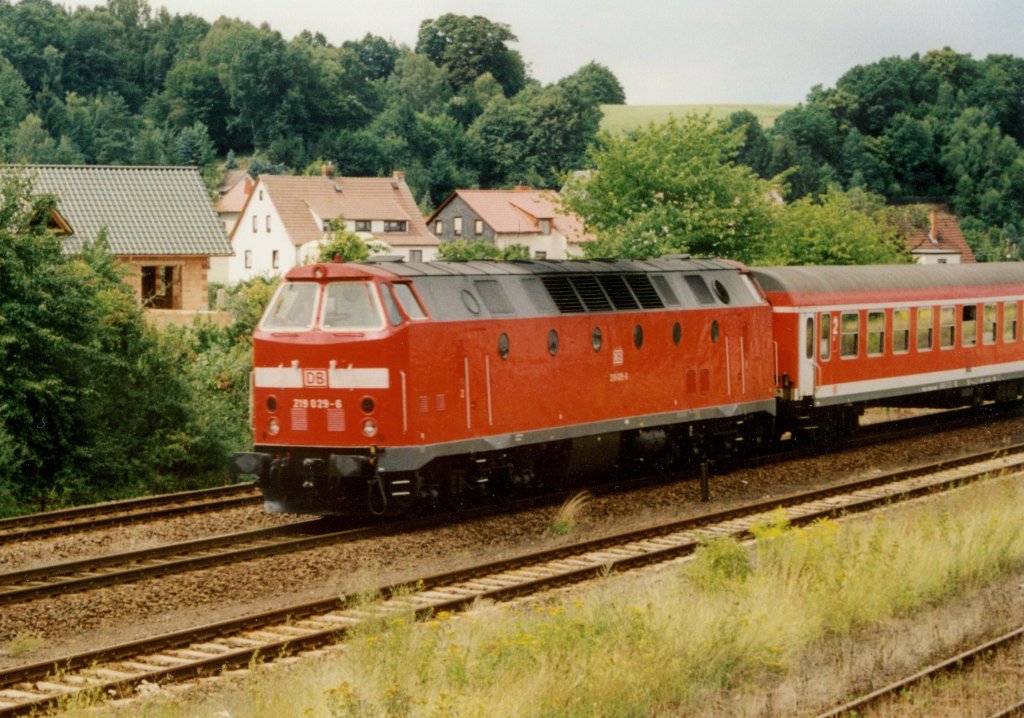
x,y
673,51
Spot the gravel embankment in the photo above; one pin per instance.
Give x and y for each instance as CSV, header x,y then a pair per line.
x,y
52,627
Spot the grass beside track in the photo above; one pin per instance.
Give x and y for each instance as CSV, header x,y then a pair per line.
x,y
670,642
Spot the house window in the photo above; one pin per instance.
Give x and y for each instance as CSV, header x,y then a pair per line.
x,y
248,259
415,255
540,255
275,259
393,225
439,228
849,335
925,328
478,227
545,226
363,225
268,222
161,287
255,224
261,195
457,226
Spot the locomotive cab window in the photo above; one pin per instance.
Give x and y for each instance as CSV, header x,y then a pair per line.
x,y
925,328
408,301
849,334
900,331
293,307
1010,322
969,325
947,327
351,307
876,334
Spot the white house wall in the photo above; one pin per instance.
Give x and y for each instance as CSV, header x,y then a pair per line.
x,y
553,245
261,242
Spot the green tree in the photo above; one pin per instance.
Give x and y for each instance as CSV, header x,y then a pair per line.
x,y
345,245
672,188
463,251
467,47
596,85
838,228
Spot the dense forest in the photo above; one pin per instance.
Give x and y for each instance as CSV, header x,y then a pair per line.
x,y
120,84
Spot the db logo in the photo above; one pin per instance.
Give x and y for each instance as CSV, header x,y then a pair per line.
x,y
314,377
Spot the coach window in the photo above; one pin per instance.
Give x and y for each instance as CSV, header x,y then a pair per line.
x,y
925,328
900,331
809,343
947,327
714,331
638,336
595,339
552,342
969,315
1010,322
677,333
824,337
989,319
503,345
849,334
876,334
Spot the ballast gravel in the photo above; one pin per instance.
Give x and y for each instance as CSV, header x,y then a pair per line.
x,y
48,628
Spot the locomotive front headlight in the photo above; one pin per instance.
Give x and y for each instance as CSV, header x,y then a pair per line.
x,y
369,427
273,427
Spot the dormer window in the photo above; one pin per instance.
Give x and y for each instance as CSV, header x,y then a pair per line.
x,y
392,225
545,226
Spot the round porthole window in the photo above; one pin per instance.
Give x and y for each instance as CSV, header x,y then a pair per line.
x,y
470,301
714,331
503,345
720,291
552,342
677,333
595,339
638,336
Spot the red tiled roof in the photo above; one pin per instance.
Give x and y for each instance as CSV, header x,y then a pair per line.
x,y
300,201
519,211
942,235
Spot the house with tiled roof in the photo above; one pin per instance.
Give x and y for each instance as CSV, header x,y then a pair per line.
x,y
159,222
942,241
505,217
232,198
287,218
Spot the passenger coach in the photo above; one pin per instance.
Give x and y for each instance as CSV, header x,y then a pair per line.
x,y
893,335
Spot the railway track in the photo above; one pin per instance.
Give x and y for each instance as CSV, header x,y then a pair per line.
x,y
147,508
204,650
954,664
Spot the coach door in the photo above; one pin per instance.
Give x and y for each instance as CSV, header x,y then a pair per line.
x,y
808,367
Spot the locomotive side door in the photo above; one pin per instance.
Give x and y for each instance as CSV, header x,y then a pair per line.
x,y
808,367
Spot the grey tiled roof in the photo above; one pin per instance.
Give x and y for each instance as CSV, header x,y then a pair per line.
x,y
146,210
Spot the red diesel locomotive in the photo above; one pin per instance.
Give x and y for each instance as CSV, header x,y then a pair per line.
x,y
381,386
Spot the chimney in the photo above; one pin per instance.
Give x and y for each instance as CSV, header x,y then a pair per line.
x,y
933,225
327,170
399,176
523,188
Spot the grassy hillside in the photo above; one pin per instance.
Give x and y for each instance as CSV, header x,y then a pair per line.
x,y
618,118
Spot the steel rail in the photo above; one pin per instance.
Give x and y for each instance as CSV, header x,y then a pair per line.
x,y
117,669
956,663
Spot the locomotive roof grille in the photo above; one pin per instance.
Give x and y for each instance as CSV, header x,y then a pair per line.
x,y
573,294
